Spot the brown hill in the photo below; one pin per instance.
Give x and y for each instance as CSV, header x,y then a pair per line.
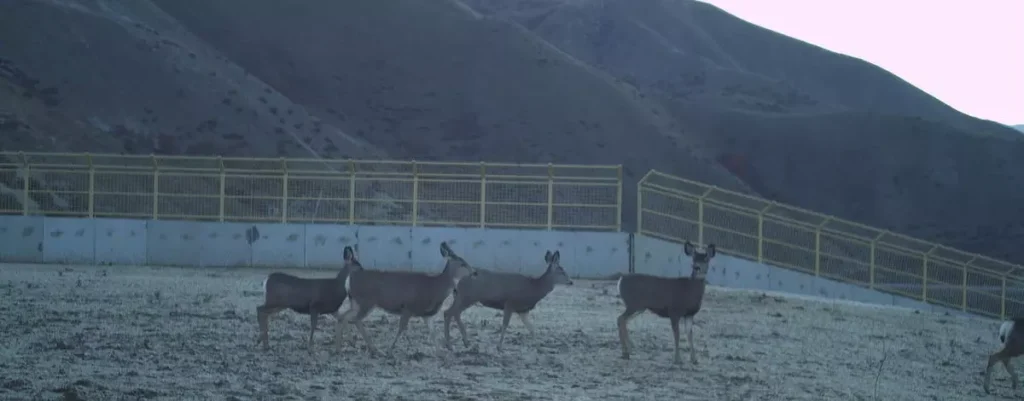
x,y
675,85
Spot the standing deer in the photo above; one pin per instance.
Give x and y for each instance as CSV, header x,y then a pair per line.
x,y
307,296
1011,334
406,294
671,298
507,292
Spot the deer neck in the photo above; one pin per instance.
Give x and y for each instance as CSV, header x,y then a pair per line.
x,y
449,270
546,281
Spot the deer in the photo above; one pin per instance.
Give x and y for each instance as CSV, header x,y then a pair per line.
x,y
671,298
307,296
407,294
1011,335
507,292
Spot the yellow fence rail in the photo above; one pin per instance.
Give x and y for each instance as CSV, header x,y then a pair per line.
x,y
499,195
677,209
494,195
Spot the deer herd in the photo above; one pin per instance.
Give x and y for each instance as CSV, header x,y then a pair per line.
x,y
415,294
412,294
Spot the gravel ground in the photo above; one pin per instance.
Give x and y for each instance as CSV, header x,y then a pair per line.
x,y
142,333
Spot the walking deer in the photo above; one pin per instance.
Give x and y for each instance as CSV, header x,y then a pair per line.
x,y
307,296
507,292
1011,334
671,298
407,294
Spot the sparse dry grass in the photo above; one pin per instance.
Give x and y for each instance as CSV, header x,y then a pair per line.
x,y
111,333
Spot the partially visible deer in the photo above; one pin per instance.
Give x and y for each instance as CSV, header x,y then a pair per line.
x,y
1011,334
507,292
307,296
407,294
671,298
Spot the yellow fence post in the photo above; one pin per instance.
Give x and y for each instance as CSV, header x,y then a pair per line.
x,y
760,232
963,295
924,273
284,190
351,192
156,187
817,245
483,194
1002,301
618,202
700,214
25,185
92,186
871,263
415,193
640,203
223,187
551,195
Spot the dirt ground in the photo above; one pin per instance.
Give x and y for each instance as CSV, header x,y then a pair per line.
x,y
129,333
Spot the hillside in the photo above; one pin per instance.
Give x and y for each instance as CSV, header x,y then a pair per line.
x,y
678,86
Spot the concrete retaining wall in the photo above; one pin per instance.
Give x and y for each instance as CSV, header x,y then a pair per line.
x,y
663,258
37,239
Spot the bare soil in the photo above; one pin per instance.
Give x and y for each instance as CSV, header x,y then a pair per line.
x,y
113,333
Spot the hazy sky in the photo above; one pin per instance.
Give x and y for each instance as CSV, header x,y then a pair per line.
x,y
970,55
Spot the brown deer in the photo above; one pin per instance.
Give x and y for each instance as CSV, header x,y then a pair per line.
x,y
307,296
507,292
407,294
671,298
1011,334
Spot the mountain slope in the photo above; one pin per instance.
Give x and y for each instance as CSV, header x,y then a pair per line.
x,y
432,80
798,123
124,77
679,86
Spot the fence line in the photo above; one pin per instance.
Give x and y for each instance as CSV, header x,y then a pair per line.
x,y
503,195
676,209
494,195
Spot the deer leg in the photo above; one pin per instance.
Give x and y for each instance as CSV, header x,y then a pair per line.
x,y
430,333
1013,374
992,360
403,322
462,330
504,326
689,336
366,337
448,327
358,319
313,318
624,340
674,321
454,312
525,317
343,320
263,314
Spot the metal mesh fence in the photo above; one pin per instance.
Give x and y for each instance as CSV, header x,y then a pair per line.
x,y
677,209
311,191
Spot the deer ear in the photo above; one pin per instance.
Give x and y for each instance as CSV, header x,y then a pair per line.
x,y
688,248
547,257
556,257
445,250
347,253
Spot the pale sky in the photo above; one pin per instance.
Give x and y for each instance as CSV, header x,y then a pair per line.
x,y
970,55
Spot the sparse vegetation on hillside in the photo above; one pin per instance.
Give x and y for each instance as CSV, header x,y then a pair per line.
x,y
679,86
